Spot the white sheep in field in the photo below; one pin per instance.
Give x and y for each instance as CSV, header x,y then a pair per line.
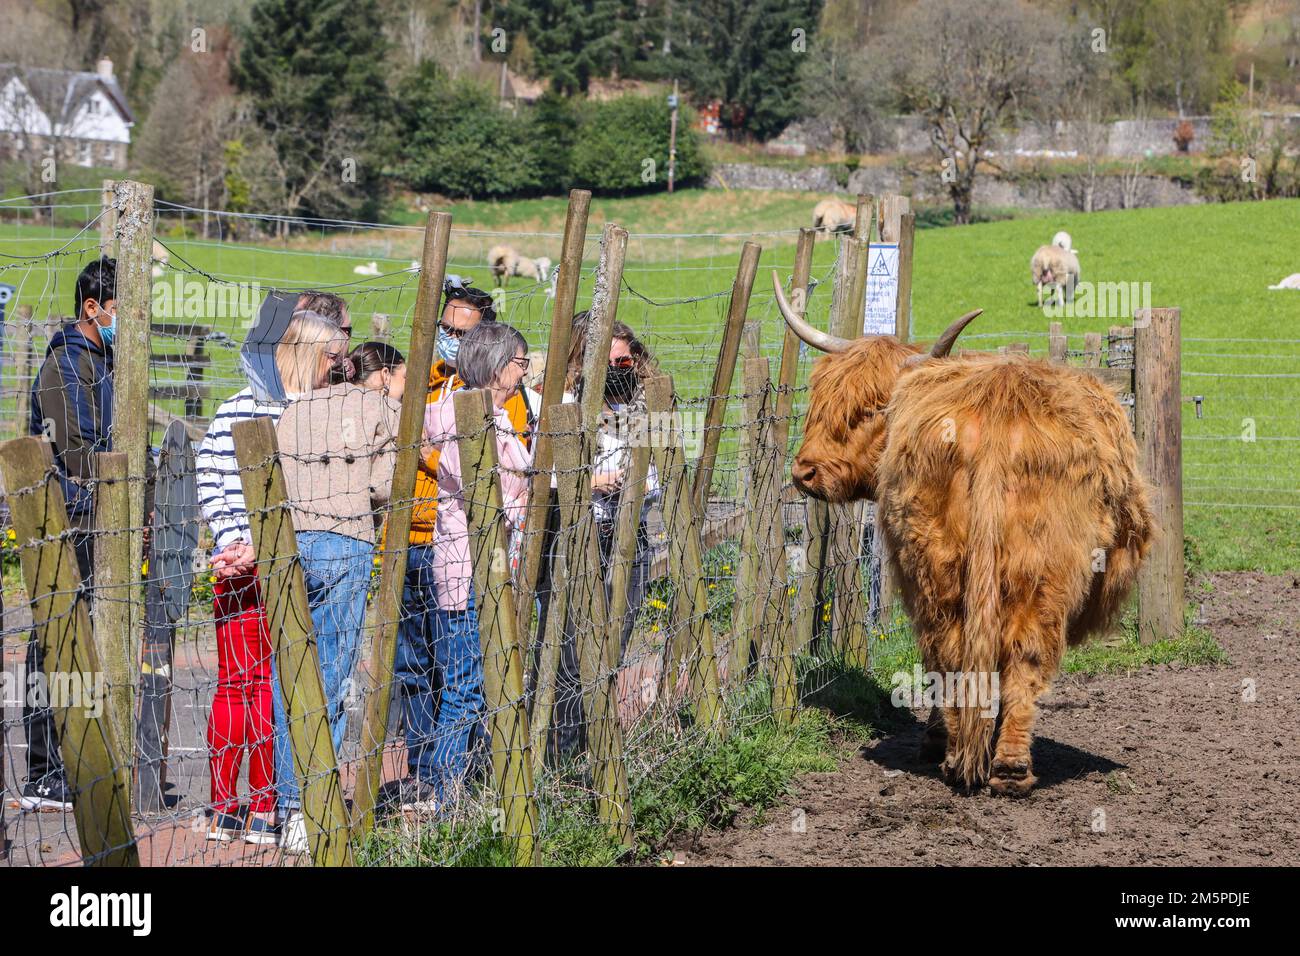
x,y
371,269
1290,282
1057,267
1062,240
506,262
834,215
160,259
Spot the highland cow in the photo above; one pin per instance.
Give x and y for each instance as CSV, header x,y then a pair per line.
x,y
1012,507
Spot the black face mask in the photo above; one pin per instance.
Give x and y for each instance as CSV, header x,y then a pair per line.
x,y
620,385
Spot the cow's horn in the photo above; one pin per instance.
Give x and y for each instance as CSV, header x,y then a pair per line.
x,y
943,344
813,336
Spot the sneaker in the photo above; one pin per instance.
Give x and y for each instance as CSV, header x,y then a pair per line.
x,y
225,827
48,793
409,793
293,839
261,832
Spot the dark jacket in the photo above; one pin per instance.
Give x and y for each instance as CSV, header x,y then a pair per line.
x,y
72,406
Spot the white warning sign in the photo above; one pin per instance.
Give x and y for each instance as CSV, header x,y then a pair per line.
x,y
882,289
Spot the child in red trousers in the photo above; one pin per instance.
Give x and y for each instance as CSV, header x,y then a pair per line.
x,y
241,718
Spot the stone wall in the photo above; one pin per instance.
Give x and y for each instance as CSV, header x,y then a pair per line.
x,y
1060,192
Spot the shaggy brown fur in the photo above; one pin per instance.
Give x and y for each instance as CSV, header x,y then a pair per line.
x,y
1013,508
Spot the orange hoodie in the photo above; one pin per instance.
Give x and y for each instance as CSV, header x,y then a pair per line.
x,y
424,509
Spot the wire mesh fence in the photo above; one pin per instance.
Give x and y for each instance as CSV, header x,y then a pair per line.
x,y
241,701
251,676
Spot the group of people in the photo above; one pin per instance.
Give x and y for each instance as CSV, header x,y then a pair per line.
x,y
336,427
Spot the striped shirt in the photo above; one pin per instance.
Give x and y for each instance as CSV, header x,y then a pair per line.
x,y
221,492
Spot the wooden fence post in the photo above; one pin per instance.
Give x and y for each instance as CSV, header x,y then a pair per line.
x,y
1092,350
503,664
597,659
293,639
96,769
130,432
1056,344
557,358
725,370
115,646
1158,415
897,224
392,570
692,632
790,344
848,630
108,218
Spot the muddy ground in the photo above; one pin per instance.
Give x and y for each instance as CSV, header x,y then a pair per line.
x,y
1169,765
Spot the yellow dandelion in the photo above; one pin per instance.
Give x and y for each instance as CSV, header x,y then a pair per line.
x,y
12,535
726,567
212,579
658,605
654,629
144,568
712,586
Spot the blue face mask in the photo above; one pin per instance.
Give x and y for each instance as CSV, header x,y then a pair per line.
x,y
106,332
448,347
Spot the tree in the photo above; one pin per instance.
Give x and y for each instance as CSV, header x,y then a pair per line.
x,y
969,68
746,53
1188,52
195,114
572,41
314,70
456,140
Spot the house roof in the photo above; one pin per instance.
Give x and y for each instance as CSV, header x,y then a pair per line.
x,y
68,88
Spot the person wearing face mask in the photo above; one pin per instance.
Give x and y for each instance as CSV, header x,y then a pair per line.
x,y
440,739
72,409
415,670
630,362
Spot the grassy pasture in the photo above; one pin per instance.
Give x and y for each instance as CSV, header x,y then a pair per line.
x,y
1241,351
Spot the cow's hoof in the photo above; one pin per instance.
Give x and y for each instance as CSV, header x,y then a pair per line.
x,y
933,747
1012,779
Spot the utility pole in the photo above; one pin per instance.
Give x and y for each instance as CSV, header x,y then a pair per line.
x,y
672,138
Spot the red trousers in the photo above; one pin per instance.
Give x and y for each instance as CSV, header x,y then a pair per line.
x,y
241,717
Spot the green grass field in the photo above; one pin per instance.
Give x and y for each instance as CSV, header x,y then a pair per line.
x,y
1240,350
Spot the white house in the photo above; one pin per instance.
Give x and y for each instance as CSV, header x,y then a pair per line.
x,y
84,114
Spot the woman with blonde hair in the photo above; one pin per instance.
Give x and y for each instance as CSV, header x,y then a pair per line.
x,y
242,708
337,450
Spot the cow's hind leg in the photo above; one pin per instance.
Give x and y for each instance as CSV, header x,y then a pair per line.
x,y
1022,682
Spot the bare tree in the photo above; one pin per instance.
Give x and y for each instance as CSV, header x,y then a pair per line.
x,y
969,68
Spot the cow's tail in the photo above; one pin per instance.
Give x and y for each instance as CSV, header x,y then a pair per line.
x,y
981,626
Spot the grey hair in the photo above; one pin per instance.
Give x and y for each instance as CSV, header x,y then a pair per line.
x,y
485,351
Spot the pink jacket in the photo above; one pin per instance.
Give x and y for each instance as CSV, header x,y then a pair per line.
x,y
452,573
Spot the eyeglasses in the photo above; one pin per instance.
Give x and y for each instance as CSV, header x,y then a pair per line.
x,y
521,361
623,361
346,330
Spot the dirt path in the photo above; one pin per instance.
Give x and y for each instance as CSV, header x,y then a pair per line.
x,y
1171,765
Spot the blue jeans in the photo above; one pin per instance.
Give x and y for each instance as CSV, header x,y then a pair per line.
x,y
337,571
459,720
415,668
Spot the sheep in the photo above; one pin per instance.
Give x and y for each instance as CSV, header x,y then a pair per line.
x,y
1052,265
160,259
1290,282
834,215
372,269
1062,240
506,262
